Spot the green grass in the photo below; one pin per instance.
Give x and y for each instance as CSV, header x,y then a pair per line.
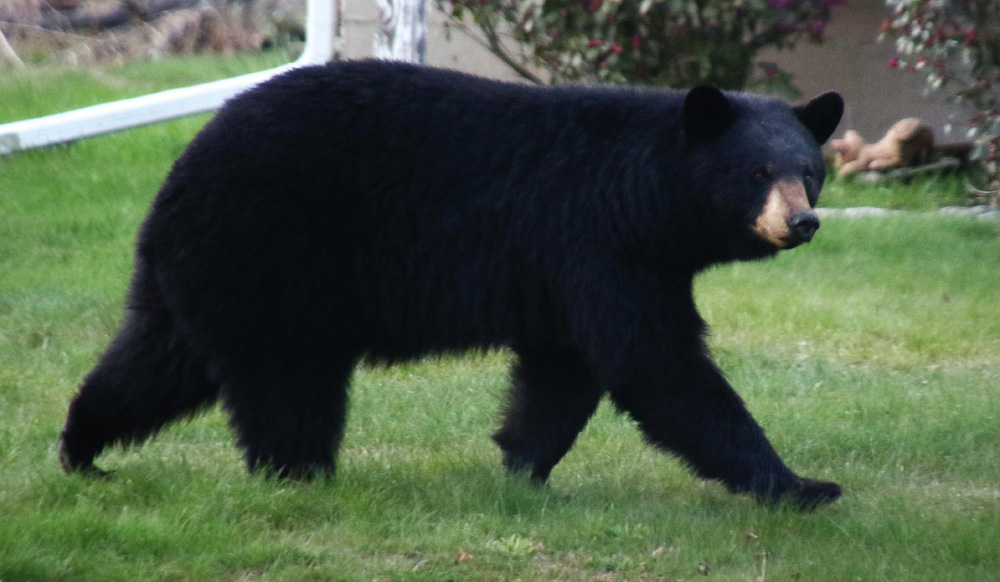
x,y
872,357
32,92
927,192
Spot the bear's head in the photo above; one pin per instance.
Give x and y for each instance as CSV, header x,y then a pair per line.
x,y
756,169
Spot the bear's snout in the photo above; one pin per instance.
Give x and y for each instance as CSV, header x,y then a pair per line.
x,y
787,219
803,225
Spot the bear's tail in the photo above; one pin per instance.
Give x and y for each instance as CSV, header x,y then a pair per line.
x,y
147,378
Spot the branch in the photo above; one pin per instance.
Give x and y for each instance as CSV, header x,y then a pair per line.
x,y
496,47
7,52
36,28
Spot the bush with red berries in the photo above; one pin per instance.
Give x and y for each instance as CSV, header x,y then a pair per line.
x,y
676,43
956,44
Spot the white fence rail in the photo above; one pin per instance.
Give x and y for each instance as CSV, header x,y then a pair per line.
x,y
321,41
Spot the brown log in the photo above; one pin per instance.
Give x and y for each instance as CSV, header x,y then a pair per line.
x,y
123,13
961,150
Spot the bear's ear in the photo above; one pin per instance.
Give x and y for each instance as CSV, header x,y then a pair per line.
x,y
821,115
707,113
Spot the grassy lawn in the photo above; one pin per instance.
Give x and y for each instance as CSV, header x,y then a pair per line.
x,y
871,356
923,193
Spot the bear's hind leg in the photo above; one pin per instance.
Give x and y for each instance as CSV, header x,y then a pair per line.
x,y
289,418
146,378
552,399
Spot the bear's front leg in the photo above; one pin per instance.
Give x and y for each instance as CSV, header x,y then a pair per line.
x,y
693,412
643,339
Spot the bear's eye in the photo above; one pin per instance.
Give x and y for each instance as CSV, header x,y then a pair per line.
x,y
761,175
808,175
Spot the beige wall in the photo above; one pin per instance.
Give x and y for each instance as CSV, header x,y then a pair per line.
x,y
850,62
459,53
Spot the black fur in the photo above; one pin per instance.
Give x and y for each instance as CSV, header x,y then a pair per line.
x,y
384,211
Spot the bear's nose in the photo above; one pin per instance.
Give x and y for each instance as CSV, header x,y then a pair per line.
x,y
803,225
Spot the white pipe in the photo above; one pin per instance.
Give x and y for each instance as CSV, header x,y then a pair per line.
x,y
166,105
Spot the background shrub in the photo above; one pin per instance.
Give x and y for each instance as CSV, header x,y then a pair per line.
x,y
677,43
956,43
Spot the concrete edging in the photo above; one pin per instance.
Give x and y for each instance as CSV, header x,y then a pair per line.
x,y
981,212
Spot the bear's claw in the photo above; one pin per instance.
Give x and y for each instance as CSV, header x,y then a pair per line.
x,y
811,494
85,468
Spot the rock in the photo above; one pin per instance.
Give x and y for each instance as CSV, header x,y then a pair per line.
x,y
861,211
964,210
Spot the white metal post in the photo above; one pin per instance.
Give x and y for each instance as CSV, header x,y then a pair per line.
x,y
402,31
165,105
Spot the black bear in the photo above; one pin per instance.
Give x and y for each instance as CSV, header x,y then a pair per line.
x,y
382,211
